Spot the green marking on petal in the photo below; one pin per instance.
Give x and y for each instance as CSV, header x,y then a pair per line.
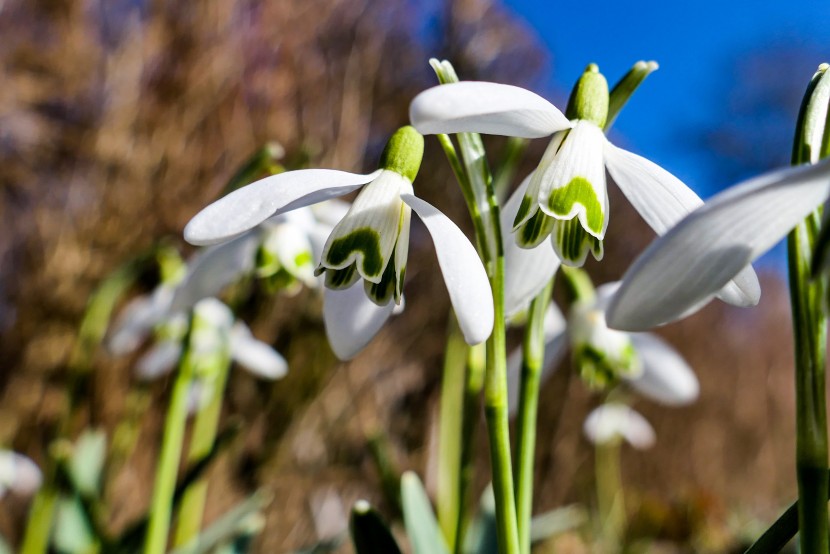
x,y
364,240
403,152
524,209
303,259
340,278
381,293
572,243
535,230
578,191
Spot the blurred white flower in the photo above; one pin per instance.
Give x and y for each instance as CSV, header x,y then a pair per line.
x,y
18,474
612,422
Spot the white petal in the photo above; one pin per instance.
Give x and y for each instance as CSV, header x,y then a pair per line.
x,y
466,279
699,256
663,200
137,319
19,474
352,320
580,157
249,206
489,108
666,377
526,270
330,212
291,246
216,267
609,421
159,360
256,356
378,207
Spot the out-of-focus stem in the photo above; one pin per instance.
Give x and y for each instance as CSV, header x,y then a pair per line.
x,y
533,357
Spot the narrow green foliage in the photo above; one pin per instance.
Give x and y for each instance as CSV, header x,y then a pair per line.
x,y
421,526
625,87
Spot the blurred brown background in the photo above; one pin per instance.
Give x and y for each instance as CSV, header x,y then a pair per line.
x,y
119,120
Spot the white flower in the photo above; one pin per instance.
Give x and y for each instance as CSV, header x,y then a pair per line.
x,y
682,271
215,335
566,197
642,361
18,474
612,421
370,243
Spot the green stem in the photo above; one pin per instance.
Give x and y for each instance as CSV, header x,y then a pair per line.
x,y
496,410
533,356
810,335
39,525
171,450
610,502
201,445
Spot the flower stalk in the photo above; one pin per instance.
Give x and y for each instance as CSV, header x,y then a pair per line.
x,y
810,332
533,357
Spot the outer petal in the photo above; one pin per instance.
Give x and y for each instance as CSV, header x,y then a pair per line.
x,y
137,320
698,257
663,200
466,279
249,206
526,270
256,356
666,377
489,108
159,360
611,420
19,474
214,268
352,320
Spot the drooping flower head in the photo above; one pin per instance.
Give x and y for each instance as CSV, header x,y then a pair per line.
x,y
370,243
566,198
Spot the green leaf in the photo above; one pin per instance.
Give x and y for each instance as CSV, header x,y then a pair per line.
x,y
419,518
626,86
370,533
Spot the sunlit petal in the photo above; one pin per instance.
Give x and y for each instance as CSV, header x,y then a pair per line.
x,y
698,257
613,421
663,200
254,355
666,377
466,279
352,320
249,206
489,108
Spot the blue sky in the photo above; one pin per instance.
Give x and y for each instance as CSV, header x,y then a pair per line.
x,y
697,45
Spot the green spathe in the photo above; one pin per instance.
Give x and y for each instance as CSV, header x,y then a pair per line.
x,y
578,191
589,98
403,152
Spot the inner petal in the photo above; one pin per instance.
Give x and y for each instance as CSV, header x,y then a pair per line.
x,y
366,236
573,185
572,243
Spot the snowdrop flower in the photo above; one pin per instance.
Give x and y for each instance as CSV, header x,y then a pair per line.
x,y
642,361
565,198
18,474
370,243
612,422
214,337
682,271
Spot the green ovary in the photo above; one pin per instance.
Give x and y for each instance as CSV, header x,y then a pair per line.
x,y
364,240
578,191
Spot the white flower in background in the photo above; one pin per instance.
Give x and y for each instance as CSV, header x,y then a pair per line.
x,y
214,337
682,271
370,243
613,422
642,361
18,474
566,197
